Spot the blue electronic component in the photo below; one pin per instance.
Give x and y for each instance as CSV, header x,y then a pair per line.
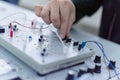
x,y
112,65
83,44
30,37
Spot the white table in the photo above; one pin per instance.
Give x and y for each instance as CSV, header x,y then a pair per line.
x,y
112,49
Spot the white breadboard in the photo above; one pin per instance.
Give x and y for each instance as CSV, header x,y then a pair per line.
x,y
46,55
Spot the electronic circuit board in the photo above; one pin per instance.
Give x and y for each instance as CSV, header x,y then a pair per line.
x,y
41,48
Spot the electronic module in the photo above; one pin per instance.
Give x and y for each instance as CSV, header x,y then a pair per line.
x,y
40,46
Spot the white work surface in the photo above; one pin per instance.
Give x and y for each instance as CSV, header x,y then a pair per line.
x,y
111,49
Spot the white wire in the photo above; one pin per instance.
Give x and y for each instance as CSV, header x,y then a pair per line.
x,y
55,30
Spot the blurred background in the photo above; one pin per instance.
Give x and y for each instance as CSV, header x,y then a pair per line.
x,y
89,24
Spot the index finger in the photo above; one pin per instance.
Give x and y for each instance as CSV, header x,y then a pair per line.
x,y
38,9
65,14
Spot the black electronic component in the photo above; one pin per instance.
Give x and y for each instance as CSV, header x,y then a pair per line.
x,y
97,69
70,76
90,70
41,36
81,72
75,43
68,40
2,30
9,26
79,47
17,78
112,65
15,28
91,49
65,38
44,50
39,40
42,54
97,59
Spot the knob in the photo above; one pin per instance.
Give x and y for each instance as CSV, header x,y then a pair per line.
x,y
97,59
81,71
71,75
112,65
97,69
91,67
90,70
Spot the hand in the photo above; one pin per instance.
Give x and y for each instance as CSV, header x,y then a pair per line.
x,y
59,12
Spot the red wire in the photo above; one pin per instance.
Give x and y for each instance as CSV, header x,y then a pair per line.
x,y
26,26
11,31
